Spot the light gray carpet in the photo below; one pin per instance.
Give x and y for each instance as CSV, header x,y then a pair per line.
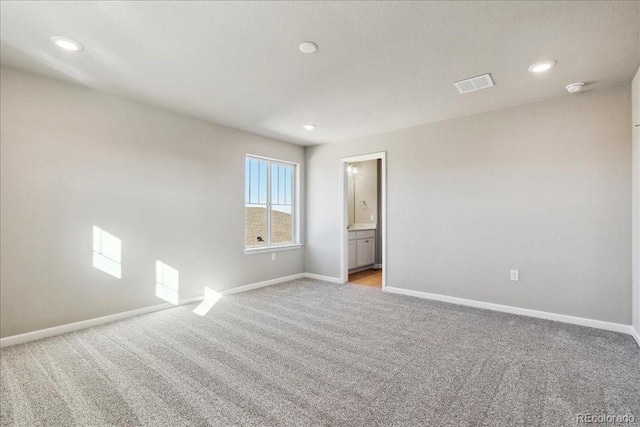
x,y
314,353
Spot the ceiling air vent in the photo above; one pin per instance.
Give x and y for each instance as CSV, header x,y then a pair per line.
x,y
474,83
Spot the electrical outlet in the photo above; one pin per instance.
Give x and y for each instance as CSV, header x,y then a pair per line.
x,y
273,257
371,218
515,275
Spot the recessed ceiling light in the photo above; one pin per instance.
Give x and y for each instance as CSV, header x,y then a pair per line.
x,y
541,66
66,43
309,127
574,87
308,47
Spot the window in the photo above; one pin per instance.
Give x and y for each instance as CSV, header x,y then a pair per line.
x,y
107,252
270,205
167,282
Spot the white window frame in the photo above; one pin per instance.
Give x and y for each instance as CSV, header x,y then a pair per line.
x,y
295,194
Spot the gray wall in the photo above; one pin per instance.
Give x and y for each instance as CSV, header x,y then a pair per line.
x,y
171,187
543,188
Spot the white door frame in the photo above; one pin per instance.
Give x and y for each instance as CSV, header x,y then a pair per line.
x,y
344,182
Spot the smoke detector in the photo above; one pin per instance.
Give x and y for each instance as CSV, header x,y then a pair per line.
x,y
574,87
474,83
308,47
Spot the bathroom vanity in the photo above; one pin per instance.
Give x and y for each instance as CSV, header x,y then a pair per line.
x,y
362,248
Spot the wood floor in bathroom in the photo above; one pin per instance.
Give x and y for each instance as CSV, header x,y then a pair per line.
x,y
371,277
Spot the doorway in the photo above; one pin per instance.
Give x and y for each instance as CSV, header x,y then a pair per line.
x,y
363,195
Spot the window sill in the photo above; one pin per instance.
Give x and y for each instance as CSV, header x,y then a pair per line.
x,y
272,249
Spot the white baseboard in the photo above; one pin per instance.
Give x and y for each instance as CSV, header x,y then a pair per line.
x,y
636,335
253,286
84,324
323,278
76,326
599,324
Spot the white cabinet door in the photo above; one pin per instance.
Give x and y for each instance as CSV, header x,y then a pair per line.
x,y
366,252
352,254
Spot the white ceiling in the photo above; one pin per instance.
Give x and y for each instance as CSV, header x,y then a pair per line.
x,y
380,65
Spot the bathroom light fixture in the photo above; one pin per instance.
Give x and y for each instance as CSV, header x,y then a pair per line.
x,y
308,47
541,66
309,127
66,43
574,87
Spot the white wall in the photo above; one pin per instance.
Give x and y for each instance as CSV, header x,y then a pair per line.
x,y
543,188
171,187
635,123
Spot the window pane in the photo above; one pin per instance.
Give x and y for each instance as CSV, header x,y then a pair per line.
x,y
247,180
289,187
262,199
256,203
256,182
281,185
281,224
274,183
256,225
281,206
250,175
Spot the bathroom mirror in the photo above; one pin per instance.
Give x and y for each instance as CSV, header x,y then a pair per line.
x,y
362,193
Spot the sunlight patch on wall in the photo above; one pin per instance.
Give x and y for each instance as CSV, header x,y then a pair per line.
x,y
167,282
107,252
211,297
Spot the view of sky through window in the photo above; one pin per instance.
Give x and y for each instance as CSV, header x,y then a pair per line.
x,y
281,184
